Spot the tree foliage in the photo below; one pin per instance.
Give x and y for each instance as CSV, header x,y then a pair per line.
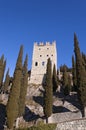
x,y
65,81
2,69
6,82
80,72
84,60
24,84
54,79
48,91
74,74
69,83
67,69
13,102
65,77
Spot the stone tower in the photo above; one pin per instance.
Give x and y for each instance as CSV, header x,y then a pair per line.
x,y
41,52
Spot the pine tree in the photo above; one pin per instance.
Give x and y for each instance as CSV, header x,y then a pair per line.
x,y
81,74
24,85
74,74
48,91
13,102
54,79
6,82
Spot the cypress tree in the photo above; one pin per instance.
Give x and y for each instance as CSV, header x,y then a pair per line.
x,y
65,81
2,58
24,84
6,82
69,83
78,64
65,77
54,79
13,102
78,60
4,66
81,74
2,69
48,91
84,60
74,74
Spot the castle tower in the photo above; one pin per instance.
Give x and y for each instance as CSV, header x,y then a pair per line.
x,y
41,52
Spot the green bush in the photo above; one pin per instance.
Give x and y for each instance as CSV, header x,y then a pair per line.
x,y
41,127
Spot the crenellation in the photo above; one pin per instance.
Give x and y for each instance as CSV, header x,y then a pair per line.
x,y
41,43
35,43
47,43
54,43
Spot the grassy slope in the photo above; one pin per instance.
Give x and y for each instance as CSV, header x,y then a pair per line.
x,y
41,127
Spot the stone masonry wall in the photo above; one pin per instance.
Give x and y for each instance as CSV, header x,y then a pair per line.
x,y
65,116
41,52
78,124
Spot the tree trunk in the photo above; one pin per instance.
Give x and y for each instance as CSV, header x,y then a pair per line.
x,y
46,120
84,111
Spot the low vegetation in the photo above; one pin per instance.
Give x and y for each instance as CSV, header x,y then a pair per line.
x,y
41,127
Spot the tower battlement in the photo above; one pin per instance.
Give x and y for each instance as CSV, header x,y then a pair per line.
x,y
45,44
41,52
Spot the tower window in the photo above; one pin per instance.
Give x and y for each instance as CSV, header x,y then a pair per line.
x,y
39,48
47,55
36,63
43,63
52,55
47,48
40,55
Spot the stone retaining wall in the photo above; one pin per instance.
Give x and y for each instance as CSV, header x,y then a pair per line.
x,y
78,124
65,116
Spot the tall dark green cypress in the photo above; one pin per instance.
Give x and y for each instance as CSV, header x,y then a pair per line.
x,y
65,81
54,79
4,66
6,82
69,83
24,84
84,60
81,74
78,60
48,91
2,69
65,77
74,74
13,102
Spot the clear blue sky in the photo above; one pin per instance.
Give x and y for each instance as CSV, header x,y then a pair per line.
x,y
27,21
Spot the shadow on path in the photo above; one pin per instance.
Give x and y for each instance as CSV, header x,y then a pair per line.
x,y
2,116
60,109
74,101
38,99
29,115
